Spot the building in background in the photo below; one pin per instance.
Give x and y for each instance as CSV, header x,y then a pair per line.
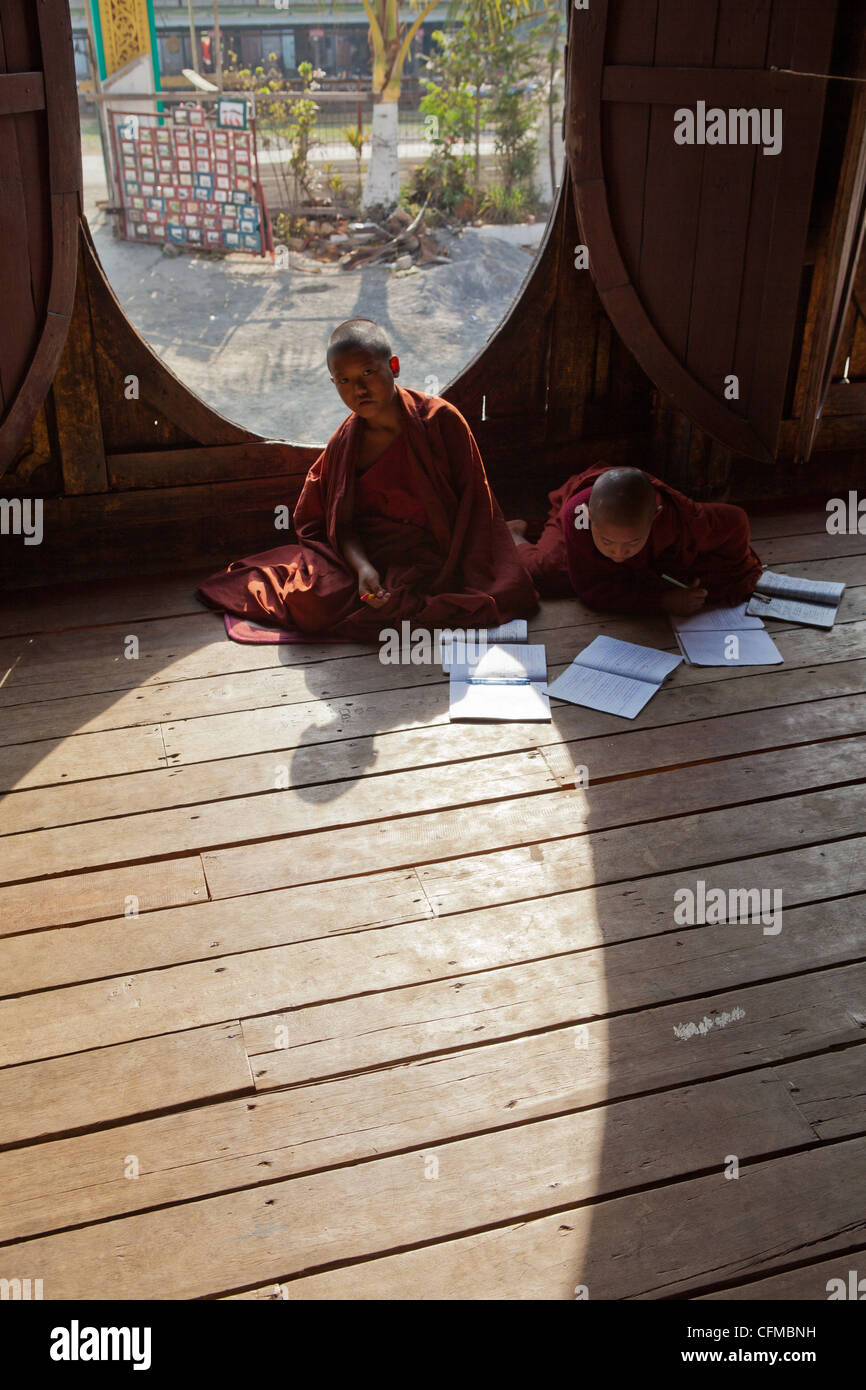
x,y
333,37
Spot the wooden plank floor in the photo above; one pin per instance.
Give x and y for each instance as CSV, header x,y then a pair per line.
x,y
308,994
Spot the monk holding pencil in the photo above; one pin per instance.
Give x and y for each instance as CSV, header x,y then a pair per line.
x,y
625,542
396,519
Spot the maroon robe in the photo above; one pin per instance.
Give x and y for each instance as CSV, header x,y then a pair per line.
x,y
688,540
460,568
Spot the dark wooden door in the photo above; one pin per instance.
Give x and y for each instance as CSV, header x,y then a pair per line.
x,y
697,249
40,199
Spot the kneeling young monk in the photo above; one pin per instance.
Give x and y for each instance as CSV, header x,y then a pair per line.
x,y
613,533
396,518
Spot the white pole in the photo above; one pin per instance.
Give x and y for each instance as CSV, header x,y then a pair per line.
x,y
192,42
111,182
218,55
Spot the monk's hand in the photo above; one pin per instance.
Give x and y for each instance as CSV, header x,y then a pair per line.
x,y
685,601
370,587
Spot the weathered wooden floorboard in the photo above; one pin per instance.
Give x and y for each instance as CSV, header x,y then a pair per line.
x,y
574,920
57,761
809,1282
92,661
370,803
800,523
291,687
552,866
187,996
475,962
426,723
82,897
228,1147
364,731
790,550
109,1084
437,843
161,937
551,991
247,1236
87,605
251,774
694,1236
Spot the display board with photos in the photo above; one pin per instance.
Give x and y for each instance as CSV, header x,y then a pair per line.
x,y
188,181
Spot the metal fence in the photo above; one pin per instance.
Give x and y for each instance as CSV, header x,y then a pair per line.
x,y
332,161
331,153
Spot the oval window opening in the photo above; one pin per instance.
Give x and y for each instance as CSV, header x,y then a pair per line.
x,y
274,195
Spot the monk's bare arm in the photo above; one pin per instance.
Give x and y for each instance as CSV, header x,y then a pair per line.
x,y
354,552
369,583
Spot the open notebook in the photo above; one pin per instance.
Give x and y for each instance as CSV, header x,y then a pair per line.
x,y
507,682
813,602
704,638
613,676
478,639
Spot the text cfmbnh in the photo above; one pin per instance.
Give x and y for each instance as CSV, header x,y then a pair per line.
x,y
736,126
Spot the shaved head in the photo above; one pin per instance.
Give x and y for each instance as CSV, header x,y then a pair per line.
x,y
359,335
623,497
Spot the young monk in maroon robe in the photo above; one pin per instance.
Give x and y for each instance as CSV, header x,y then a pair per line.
x,y
396,518
613,533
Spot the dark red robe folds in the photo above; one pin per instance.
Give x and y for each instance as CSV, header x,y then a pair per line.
x,y
688,540
459,569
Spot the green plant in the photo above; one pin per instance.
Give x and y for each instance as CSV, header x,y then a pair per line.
x,y
356,137
503,204
303,112
286,120
454,103
551,33
480,74
334,181
515,106
444,179
286,225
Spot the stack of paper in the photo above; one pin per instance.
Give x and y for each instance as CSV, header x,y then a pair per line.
x,y
813,602
506,682
724,637
613,676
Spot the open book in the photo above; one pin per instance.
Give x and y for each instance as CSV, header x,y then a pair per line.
x,y
478,639
613,676
715,620
506,682
813,602
724,637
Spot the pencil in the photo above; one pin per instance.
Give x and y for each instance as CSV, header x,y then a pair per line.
x,y
674,581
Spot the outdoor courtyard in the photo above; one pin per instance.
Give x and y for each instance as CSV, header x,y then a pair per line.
x,y
248,334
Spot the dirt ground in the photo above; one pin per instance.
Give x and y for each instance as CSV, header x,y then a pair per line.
x,y
249,337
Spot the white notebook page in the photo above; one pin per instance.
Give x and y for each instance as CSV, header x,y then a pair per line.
x,y
602,690
715,620
500,663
